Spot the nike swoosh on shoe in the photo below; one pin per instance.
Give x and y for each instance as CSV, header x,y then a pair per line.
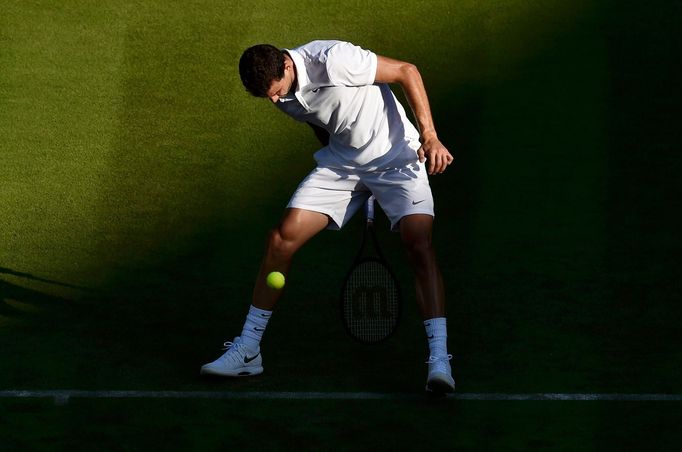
x,y
248,360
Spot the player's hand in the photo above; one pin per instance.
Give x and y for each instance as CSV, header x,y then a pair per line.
x,y
438,156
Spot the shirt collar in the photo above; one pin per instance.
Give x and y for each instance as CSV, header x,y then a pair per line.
x,y
302,79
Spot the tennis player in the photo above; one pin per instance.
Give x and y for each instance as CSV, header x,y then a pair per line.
x,y
369,146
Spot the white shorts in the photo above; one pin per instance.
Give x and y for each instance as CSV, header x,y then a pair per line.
x,y
339,193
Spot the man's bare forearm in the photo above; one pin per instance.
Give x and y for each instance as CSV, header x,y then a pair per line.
x,y
415,92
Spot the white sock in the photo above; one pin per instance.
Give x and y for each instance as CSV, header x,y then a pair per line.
x,y
256,321
437,335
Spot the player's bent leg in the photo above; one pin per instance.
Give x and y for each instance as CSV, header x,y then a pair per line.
x,y
242,357
296,228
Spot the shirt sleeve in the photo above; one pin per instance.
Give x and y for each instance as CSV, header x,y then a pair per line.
x,y
350,65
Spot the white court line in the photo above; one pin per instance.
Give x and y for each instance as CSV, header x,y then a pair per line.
x,y
63,396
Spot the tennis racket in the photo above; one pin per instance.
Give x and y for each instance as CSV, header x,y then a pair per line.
x,y
370,300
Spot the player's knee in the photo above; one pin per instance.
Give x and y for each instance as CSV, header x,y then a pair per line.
x,y
418,247
279,245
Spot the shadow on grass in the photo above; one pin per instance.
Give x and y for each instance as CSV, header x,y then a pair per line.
x,y
16,300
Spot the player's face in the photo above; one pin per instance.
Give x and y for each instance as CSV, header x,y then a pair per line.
x,y
280,88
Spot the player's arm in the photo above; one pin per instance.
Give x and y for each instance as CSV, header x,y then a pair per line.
x,y
321,134
407,75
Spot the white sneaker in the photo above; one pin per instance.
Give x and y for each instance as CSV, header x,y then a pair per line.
x,y
237,361
440,375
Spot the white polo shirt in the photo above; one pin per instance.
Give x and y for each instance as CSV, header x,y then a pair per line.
x,y
368,128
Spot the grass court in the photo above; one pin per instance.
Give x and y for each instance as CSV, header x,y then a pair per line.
x,y
138,180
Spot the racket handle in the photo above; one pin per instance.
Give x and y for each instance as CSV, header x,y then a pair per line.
x,y
369,209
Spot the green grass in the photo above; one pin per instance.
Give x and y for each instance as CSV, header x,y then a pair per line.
x,y
138,180
350,425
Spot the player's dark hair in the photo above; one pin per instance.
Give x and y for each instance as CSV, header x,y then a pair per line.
x,y
259,66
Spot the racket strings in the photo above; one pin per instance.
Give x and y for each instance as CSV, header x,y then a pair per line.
x,y
371,305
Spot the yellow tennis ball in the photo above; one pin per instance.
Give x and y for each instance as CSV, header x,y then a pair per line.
x,y
275,280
